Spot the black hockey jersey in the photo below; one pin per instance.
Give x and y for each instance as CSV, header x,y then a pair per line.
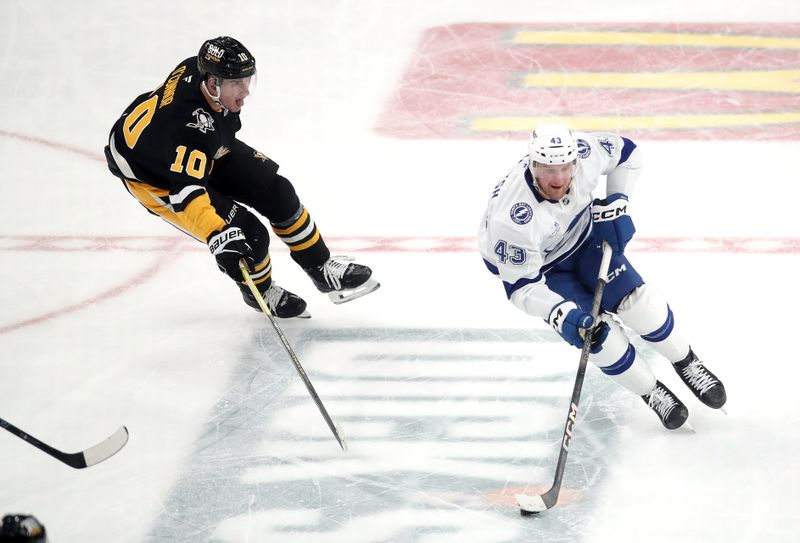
x,y
166,143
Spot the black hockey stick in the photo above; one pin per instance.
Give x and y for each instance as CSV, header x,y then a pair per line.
x,y
83,459
337,432
528,504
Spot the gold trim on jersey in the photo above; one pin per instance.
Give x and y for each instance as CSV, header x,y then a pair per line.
x,y
198,218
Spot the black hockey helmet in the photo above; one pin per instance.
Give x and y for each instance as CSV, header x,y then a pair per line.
x,y
225,58
22,529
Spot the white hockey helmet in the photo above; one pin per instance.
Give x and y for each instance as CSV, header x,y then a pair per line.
x,y
551,144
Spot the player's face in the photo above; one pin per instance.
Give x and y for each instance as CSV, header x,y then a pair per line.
x,y
554,179
233,92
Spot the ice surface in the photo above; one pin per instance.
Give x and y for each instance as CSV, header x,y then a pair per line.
x,y
452,401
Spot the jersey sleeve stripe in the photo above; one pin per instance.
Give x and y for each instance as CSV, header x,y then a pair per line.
x,y
179,201
512,288
122,164
627,148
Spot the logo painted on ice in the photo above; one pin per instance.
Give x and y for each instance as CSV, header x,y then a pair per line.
x,y
584,150
203,121
521,213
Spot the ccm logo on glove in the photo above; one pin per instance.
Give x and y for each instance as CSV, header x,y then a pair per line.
x,y
608,212
612,222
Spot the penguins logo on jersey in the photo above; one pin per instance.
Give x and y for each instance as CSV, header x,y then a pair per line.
x,y
584,150
521,213
203,121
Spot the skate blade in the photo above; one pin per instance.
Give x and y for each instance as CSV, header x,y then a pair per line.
x,y
304,315
343,296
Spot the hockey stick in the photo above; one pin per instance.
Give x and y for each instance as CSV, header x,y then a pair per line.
x,y
83,459
337,433
528,504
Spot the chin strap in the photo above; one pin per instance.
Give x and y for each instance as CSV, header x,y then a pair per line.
x,y
215,98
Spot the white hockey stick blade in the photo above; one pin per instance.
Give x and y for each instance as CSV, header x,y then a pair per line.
x,y
342,296
530,504
342,438
107,448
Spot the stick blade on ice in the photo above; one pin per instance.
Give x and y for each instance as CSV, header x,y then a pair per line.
x,y
531,504
107,448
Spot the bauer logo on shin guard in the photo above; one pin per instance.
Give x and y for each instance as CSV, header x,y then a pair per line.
x,y
232,214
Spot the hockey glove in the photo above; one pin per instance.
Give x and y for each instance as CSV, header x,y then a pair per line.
x,y
572,324
229,246
612,222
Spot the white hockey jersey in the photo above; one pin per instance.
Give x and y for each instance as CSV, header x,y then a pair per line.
x,y
523,235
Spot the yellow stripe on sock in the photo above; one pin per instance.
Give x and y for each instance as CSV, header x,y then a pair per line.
x,y
295,225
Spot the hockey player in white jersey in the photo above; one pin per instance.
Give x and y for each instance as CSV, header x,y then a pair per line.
x,y
541,236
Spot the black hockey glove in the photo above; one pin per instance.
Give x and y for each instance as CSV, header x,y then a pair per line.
x,y
229,246
572,323
612,222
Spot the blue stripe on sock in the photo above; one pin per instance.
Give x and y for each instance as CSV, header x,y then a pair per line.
x,y
625,362
663,331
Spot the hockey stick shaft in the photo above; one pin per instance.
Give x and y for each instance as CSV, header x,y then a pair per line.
x,y
79,460
532,504
306,381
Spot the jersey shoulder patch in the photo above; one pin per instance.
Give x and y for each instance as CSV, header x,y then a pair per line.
x,y
584,149
203,121
521,213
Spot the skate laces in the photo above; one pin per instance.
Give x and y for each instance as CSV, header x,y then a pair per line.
x,y
661,401
333,272
698,377
273,296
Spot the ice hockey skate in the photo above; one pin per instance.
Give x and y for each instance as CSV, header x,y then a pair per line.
x,y
667,406
342,280
702,382
281,302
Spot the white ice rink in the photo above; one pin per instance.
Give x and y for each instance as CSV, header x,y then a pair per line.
x,y
451,399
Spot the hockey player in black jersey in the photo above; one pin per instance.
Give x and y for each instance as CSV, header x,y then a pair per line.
x,y
176,151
